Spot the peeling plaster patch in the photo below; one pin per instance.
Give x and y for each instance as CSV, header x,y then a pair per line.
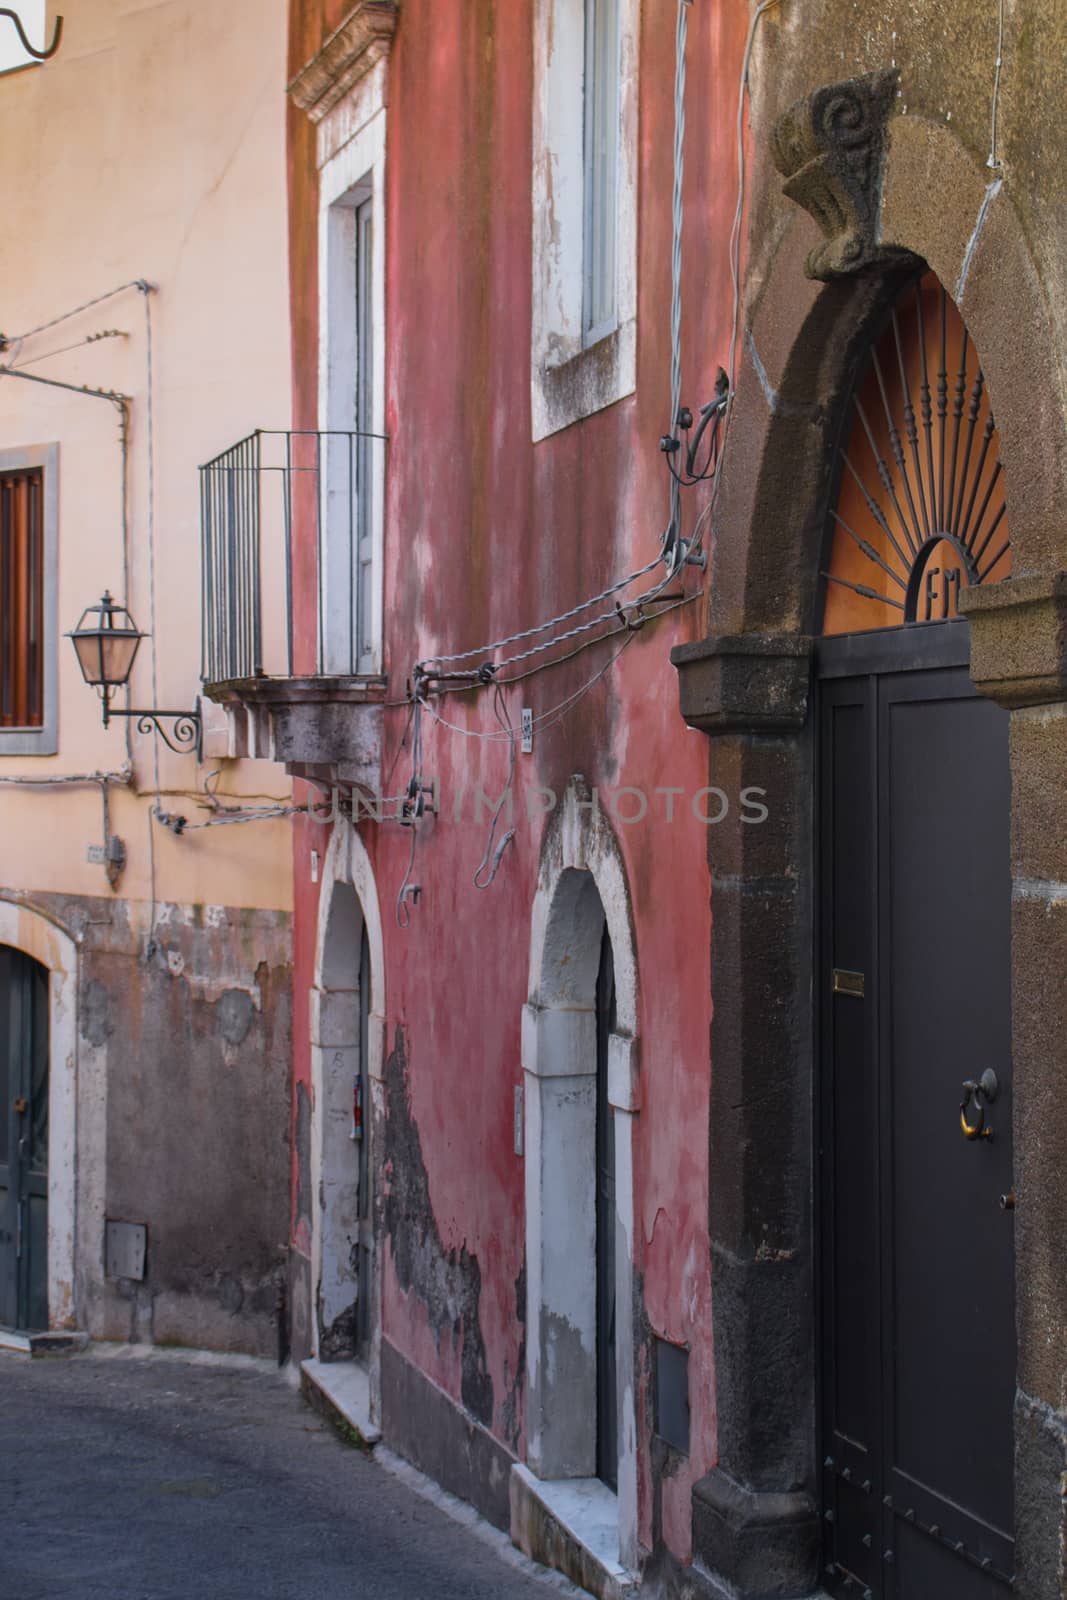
x,y
512,1413
302,1218
234,1010
339,1340
95,1019
565,1355
449,1285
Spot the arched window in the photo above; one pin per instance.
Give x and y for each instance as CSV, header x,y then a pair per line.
x,y
919,510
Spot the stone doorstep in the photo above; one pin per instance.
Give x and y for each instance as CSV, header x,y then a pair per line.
x,y
52,1343
342,1387
708,1586
571,1524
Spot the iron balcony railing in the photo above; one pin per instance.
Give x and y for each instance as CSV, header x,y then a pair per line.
x,y
288,555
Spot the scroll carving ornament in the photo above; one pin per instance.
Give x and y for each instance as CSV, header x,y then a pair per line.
x,y
830,147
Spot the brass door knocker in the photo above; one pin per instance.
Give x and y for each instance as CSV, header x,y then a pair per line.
x,y
980,1091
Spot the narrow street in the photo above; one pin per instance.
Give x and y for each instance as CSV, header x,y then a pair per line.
x,y
130,1478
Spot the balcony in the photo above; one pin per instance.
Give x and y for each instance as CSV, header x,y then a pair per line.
x,y
289,623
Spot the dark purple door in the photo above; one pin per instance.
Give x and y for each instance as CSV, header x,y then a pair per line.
x,y
916,1227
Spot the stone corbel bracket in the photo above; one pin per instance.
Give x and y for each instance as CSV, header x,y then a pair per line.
x,y
350,52
830,147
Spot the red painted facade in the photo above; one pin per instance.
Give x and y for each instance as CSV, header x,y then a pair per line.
x,y
487,533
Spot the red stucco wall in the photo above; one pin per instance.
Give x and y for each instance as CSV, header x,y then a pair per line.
x,y
486,534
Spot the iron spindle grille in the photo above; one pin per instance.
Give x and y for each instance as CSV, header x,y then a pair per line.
x,y
920,509
286,532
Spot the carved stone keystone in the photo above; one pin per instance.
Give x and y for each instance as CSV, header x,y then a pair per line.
x,y
830,147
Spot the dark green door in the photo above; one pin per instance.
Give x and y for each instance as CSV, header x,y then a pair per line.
x,y
23,1141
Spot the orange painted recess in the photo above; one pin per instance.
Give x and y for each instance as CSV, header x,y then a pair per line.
x,y
920,511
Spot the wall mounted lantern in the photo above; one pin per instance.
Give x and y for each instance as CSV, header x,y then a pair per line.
x,y
106,641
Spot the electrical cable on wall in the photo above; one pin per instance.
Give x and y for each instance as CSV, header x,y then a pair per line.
x,y
674,531
6,340
124,777
65,349
994,159
481,881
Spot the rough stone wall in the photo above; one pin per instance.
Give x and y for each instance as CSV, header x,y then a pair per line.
x,y
194,1042
987,217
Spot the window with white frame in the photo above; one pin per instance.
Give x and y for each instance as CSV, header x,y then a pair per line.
x,y
584,193
351,480
28,562
601,168
351,151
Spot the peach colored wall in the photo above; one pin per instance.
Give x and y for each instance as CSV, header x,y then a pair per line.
x,y
152,146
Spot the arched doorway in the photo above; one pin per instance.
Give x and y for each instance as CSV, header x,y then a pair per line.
x,y
346,1057
579,1055
748,685
346,1265
915,1320
43,1147
24,1108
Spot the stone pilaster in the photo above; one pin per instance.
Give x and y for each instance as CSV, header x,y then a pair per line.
x,y
1019,659
754,1519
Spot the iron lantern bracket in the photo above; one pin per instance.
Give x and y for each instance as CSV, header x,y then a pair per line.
x,y
31,50
186,736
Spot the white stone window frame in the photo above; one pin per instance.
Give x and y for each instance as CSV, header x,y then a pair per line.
x,y
42,740
570,380
351,160
559,1069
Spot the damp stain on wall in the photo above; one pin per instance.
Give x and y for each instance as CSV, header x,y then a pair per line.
x,y
447,1282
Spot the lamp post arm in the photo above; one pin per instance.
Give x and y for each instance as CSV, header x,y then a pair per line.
x,y
38,55
185,736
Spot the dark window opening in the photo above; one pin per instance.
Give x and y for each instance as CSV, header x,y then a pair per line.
x,y
21,600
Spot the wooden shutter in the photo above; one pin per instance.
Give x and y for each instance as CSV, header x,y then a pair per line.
x,y
21,600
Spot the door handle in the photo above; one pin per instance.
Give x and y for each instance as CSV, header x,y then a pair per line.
x,y
978,1092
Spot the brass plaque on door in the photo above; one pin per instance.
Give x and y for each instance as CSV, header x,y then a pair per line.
x,y
848,983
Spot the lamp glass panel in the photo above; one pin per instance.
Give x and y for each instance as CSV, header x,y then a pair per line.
x,y
106,656
118,651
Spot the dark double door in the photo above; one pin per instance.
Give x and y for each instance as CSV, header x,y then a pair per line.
x,y
917,1335
23,1141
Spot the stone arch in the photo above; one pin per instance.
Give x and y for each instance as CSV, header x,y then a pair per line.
x,y
581,888
747,685
348,910
801,346
38,936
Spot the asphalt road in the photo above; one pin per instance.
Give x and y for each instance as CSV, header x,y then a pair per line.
x,y
132,1478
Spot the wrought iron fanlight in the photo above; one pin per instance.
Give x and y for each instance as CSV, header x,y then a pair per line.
x,y
106,642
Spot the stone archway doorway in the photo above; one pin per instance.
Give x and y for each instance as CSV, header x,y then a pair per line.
x,y
579,1056
347,1035
345,1286
914,1232
24,1084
